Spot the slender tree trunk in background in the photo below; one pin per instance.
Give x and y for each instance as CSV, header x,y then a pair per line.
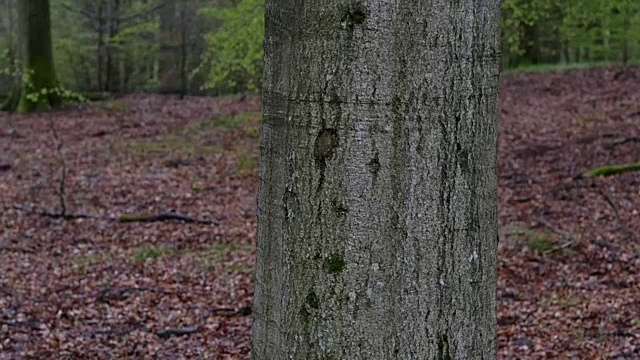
x,y
112,80
9,83
625,41
37,56
101,46
565,52
128,70
377,208
183,49
532,45
169,48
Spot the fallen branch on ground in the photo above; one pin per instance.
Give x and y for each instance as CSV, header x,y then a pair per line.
x,y
17,249
569,239
32,324
163,217
163,333
242,311
124,218
624,140
616,211
168,332
121,293
53,215
118,332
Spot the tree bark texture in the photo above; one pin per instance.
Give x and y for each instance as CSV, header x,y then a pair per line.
x,y
377,208
37,56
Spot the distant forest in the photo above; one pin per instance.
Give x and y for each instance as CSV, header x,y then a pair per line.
x,y
215,46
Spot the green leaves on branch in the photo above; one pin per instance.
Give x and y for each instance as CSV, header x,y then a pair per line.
x,y
605,27
518,15
234,56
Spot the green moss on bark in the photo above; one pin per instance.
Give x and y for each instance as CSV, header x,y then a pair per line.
x,y
335,264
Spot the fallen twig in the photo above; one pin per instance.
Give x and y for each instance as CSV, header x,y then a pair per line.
x,y
34,325
63,166
168,332
17,249
53,215
124,218
569,239
242,311
122,293
611,202
164,217
624,140
616,210
119,332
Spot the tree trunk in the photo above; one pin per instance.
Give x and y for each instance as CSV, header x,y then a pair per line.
x,y
377,208
40,76
8,73
113,65
183,49
101,46
170,55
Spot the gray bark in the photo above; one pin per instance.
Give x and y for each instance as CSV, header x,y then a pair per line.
x,y
377,208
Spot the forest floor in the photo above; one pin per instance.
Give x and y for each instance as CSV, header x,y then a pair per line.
x,y
101,283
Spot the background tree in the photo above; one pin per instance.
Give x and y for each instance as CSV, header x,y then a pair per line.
x,y
39,82
377,220
103,47
9,71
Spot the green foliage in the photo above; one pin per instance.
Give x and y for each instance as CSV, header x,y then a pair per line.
x,y
9,66
234,55
76,44
41,95
552,31
605,28
534,32
517,15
